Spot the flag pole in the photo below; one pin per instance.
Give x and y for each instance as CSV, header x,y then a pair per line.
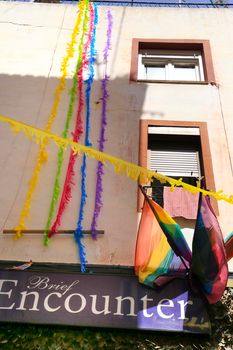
x,y
183,261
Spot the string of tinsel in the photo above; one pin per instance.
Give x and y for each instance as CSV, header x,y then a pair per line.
x,y
92,58
121,167
78,131
60,158
105,95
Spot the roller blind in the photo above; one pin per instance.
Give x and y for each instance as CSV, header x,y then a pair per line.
x,y
175,162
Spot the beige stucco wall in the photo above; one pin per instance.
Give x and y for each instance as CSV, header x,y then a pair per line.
x,y
33,39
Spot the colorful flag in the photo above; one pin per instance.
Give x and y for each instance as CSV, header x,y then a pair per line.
x,y
228,242
171,229
209,264
155,260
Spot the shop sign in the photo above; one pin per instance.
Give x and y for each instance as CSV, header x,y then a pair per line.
x,y
111,301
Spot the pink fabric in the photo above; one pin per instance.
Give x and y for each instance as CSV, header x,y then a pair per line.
x,y
180,202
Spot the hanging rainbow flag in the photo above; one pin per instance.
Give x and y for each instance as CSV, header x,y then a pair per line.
x,y
209,271
155,261
171,229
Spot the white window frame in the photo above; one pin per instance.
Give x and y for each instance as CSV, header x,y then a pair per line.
x,y
169,59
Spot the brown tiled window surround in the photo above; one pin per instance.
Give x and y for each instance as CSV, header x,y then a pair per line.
x,y
207,169
202,46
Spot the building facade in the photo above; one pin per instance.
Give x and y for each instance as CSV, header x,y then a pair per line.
x,y
170,90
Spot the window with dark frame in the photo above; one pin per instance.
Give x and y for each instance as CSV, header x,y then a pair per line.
x,y
187,61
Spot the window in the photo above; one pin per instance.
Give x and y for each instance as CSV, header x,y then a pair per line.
x,y
178,150
171,61
174,152
170,65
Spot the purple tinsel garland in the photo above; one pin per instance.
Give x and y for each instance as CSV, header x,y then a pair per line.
x,y
100,171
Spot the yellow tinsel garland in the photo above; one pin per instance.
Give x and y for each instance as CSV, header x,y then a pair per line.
x,y
133,171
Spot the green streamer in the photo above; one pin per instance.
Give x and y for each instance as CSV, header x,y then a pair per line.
x,y
72,92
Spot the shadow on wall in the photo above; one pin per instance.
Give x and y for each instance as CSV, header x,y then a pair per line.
x,y
29,99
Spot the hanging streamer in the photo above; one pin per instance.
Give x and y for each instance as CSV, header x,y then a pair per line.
x,y
60,159
42,155
78,231
133,171
70,173
100,171
66,195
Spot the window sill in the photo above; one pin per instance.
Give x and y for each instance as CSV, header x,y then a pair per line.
x,y
174,82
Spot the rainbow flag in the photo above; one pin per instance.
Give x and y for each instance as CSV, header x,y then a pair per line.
x,y
209,264
162,252
228,242
155,261
171,229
